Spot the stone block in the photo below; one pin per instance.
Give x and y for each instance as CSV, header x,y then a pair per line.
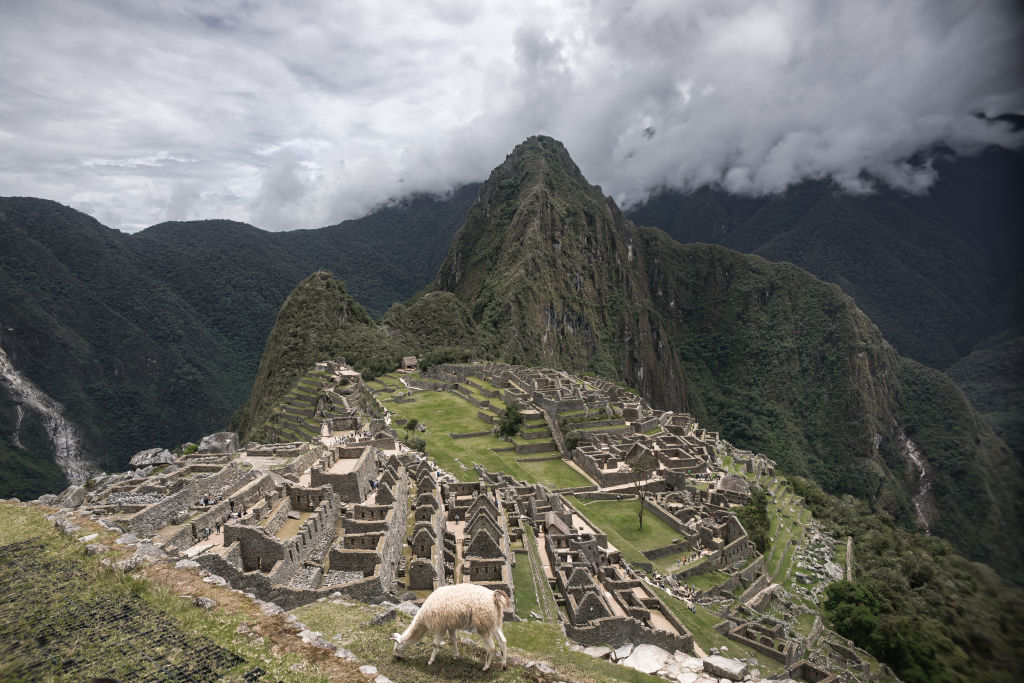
x,y
723,667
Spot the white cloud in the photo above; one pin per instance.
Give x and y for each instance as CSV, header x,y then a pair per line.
x,y
301,114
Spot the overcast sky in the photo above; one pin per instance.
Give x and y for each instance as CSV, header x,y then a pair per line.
x,y
301,114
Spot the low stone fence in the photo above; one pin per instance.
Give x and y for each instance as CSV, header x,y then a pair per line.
x,y
666,516
665,551
525,449
578,490
424,384
544,459
605,495
469,435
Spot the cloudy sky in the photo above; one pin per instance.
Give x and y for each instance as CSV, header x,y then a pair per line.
x,y
301,114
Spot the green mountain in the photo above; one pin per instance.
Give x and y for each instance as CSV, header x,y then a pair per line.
x,y
992,377
155,338
938,273
318,321
103,336
551,273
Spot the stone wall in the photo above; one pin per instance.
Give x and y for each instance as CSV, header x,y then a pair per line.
x,y
382,560
751,571
617,631
543,447
756,587
259,584
353,486
227,480
738,634
469,435
300,464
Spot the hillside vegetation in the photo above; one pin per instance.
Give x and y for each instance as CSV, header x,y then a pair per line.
x,y
155,338
319,320
938,273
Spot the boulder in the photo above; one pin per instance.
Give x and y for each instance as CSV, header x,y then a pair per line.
x,y
66,526
205,603
598,651
723,667
647,658
152,456
408,608
96,549
221,442
347,655
129,564
383,617
622,652
72,497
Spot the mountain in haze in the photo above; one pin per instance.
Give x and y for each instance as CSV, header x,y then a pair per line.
x,y
155,338
938,273
551,273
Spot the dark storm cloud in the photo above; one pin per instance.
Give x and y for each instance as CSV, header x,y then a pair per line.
x,y
301,114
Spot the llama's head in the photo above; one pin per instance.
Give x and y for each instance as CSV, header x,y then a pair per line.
x,y
399,647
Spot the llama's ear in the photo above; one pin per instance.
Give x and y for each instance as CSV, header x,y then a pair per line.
x,y
397,637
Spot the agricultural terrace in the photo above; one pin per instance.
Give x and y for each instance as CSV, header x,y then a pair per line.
x,y
445,414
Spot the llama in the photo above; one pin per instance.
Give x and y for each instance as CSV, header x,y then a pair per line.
x,y
461,606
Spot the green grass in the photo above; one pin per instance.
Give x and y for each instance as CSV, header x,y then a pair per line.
x,y
445,413
528,640
618,519
526,593
703,582
546,599
555,473
154,627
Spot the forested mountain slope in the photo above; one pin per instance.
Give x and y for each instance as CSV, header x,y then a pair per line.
x,y
155,338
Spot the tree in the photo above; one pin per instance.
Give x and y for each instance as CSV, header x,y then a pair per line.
x,y
754,517
644,464
412,424
510,421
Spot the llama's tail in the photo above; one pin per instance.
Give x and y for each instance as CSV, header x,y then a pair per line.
x,y
501,600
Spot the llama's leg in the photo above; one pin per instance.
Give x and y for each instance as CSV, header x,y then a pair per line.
x,y
503,644
454,637
437,645
488,638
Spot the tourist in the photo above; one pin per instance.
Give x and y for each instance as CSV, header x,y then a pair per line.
x,y
231,502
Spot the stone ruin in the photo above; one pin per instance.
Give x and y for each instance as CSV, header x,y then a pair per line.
x,y
353,511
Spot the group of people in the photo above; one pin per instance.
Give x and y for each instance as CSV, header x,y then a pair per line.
x,y
208,500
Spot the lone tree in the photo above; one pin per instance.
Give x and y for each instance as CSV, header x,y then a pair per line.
x,y
644,464
412,424
510,421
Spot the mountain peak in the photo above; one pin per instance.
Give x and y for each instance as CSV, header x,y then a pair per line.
x,y
540,154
